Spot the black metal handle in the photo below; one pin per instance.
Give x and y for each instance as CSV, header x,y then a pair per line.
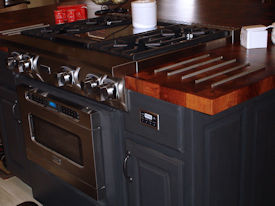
x,y
13,108
14,112
125,163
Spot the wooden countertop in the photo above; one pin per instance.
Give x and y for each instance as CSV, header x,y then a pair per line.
x,y
200,97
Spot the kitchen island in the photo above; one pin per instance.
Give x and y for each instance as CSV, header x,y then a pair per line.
x,y
207,146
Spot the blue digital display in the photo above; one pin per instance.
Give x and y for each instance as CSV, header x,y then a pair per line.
x,y
52,104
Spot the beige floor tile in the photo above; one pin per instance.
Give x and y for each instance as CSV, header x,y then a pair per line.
x,y
7,199
13,191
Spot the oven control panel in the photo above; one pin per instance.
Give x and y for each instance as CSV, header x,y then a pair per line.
x,y
80,79
51,104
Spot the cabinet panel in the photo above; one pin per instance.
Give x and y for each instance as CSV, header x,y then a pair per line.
x,y
170,123
263,134
223,157
157,178
12,134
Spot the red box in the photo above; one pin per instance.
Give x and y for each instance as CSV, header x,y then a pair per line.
x,y
58,15
80,11
71,15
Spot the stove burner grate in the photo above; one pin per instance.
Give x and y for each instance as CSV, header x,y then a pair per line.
x,y
88,34
159,41
82,26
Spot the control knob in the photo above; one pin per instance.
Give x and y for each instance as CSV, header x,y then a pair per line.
x,y
91,81
24,65
13,60
102,88
68,77
107,89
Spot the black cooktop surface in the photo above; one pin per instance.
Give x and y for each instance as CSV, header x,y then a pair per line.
x,y
116,36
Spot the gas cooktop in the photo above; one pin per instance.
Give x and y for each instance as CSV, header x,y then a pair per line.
x,y
116,36
113,43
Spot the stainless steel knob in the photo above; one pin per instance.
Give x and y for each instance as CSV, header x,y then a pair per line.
x,y
91,81
107,91
34,64
12,63
68,77
13,59
64,78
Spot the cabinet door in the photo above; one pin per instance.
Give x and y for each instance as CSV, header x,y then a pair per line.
x,y
12,134
156,178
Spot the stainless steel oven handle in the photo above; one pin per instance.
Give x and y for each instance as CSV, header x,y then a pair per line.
x,y
125,163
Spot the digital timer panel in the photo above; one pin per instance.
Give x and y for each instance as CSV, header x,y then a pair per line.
x,y
149,119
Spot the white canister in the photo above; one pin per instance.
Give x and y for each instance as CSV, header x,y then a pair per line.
x,y
138,30
144,14
273,33
92,8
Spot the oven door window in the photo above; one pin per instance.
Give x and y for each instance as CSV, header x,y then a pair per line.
x,y
54,138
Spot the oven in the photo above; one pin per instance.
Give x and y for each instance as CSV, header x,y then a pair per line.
x,y
63,138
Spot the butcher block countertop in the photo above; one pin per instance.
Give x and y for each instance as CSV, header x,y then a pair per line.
x,y
187,92
201,96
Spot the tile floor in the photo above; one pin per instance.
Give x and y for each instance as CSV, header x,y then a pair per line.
x,y
13,192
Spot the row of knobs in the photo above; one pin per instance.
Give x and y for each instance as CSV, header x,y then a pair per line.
x,y
101,87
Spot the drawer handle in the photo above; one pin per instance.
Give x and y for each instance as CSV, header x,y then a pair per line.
x,y
14,111
13,108
125,163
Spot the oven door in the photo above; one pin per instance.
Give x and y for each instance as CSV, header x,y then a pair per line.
x,y
59,137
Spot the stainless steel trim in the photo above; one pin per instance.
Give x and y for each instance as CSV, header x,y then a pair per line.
x,y
220,73
20,29
194,66
236,76
208,69
181,63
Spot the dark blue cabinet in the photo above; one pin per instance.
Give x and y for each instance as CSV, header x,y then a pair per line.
x,y
228,158
157,179
12,134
